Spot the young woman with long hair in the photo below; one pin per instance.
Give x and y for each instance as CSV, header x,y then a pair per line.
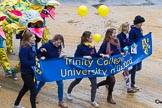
x,y
27,56
87,50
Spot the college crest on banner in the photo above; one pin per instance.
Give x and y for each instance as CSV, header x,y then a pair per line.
x,y
72,67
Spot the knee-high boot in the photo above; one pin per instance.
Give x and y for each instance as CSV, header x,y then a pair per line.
x,y
111,80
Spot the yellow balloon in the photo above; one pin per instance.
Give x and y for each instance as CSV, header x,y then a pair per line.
x,y
103,10
97,37
82,10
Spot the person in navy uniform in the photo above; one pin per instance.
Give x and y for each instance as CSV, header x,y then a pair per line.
x,y
124,42
86,50
49,50
109,47
27,56
135,35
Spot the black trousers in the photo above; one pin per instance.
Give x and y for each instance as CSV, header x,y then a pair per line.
x,y
110,81
29,84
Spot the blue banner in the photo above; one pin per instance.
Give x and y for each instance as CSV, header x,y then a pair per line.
x,y
70,68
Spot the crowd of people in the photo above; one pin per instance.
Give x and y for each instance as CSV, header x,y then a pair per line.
x,y
113,44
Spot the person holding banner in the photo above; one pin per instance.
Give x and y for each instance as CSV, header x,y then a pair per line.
x,y
109,47
123,38
135,35
86,50
27,56
49,50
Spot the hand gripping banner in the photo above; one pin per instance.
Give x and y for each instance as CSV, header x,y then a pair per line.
x,y
72,67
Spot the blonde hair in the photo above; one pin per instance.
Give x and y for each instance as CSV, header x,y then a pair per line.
x,y
123,27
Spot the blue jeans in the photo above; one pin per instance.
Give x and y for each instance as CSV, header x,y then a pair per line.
x,y
136,67
60,88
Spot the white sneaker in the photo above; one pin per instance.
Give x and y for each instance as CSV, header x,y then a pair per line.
x,y
18,106
95,104
68,96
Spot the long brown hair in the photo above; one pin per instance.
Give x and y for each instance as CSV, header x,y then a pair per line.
x,y
25,40
108,34
58,37
85,36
